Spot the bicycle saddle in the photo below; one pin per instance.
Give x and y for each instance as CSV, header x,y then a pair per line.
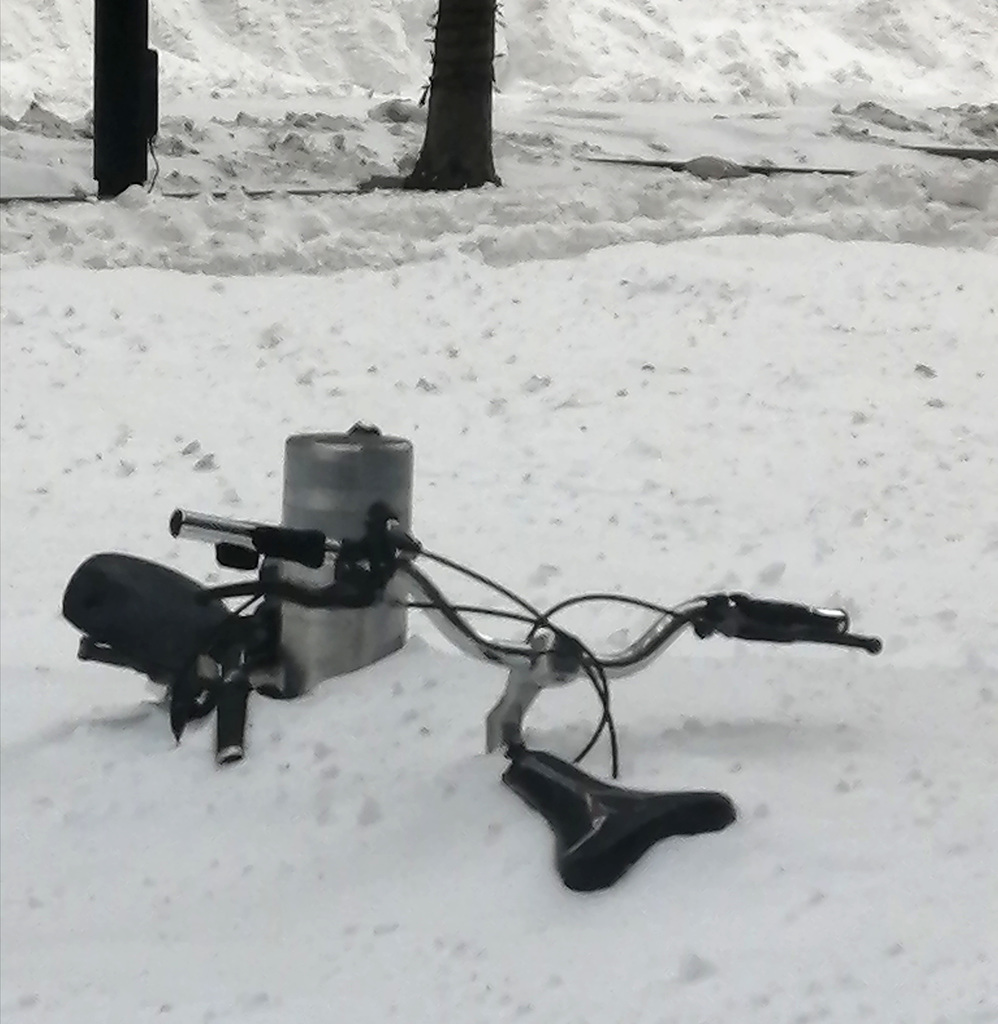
x,y
600,829
141,614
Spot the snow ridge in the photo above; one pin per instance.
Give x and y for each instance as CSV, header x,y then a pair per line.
x,y
935,51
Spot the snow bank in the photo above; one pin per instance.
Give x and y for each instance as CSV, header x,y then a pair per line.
x,y
238,235
934,51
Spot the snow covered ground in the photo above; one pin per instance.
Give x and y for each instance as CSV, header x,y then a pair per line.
x,y
798,417
614,379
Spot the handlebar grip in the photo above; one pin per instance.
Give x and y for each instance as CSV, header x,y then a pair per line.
x,y
287,543
788,615
306,547
752,618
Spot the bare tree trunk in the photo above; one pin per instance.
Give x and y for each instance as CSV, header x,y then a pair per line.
x,y
457,147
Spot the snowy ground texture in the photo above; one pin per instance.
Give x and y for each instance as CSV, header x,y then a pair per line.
x,y
614,379
556,203
796,417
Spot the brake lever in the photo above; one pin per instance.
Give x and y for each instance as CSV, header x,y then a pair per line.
x,y
870,644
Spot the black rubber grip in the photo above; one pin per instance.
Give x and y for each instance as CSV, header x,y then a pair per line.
x,y
306,547
786,615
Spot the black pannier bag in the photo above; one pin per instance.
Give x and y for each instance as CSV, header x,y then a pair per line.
x,y
142,615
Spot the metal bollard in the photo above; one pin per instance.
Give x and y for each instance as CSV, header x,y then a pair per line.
x,y
330,481
126,94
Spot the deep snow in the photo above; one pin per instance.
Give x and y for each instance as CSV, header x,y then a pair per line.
x,y
797,417
774,51
614,379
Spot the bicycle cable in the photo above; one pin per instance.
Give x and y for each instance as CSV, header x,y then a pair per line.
x,y
588,660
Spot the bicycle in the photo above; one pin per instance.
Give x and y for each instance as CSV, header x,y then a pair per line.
x,y
144,616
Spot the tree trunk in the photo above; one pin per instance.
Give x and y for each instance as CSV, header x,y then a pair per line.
x,y
457,147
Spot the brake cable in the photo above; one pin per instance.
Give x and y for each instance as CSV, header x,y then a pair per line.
x,y
588,661
364,568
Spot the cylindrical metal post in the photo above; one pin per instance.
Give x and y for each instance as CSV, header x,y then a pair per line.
x,y
125,94
330,482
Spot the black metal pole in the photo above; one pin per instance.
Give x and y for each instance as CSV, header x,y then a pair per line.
x,y
125,94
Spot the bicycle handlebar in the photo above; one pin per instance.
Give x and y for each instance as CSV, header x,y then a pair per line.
x,y
697,614
365,567
306,547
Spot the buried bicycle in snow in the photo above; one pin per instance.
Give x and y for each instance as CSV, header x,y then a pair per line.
x,y
144,616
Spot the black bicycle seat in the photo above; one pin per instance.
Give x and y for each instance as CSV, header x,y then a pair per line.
x,y
153,617
601,829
